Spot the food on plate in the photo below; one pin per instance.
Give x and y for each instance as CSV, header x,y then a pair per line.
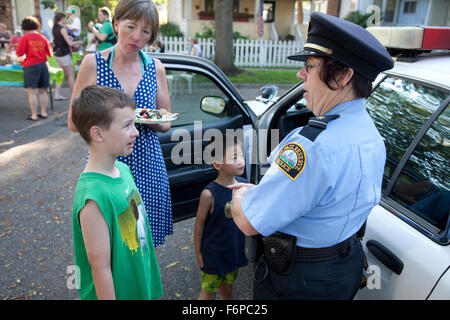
x,y
144,115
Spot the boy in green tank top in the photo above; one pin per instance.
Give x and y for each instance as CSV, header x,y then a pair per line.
x,y
112,238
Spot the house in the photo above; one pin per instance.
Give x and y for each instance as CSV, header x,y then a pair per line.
x,y
403,12
280,17
289,18
12,13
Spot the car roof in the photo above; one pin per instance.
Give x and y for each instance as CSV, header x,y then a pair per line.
x,y
434,70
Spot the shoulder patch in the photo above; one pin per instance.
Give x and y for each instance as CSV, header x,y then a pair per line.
x,y
291,160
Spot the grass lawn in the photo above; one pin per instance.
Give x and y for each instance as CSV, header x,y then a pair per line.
x,y
275,76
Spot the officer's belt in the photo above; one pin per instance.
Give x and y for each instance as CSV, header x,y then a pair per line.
x,y
341,249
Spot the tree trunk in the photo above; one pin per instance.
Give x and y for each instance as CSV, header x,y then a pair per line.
x,y
224,36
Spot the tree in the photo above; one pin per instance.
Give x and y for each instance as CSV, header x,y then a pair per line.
x,y
224,36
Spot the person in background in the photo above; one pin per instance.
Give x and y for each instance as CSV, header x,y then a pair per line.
x,y
159,47
105,35
14,42
195,49
5,36
75,24
126,67
63,52
35,71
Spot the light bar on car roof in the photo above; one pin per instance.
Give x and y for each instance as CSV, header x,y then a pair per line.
x,y
413,38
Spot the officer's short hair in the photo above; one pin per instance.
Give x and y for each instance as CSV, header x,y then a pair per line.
x,y
331,69
93,107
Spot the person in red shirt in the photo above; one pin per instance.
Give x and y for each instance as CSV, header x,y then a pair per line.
x,y
36,77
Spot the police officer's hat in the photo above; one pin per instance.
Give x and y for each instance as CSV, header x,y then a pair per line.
x,y
346,42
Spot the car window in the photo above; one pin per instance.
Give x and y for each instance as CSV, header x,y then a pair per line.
x,y
186,91
423,186
399,109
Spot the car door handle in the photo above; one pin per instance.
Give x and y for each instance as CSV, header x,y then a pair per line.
x,y
386,256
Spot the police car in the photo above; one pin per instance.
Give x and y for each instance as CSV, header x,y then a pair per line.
x,y
407,235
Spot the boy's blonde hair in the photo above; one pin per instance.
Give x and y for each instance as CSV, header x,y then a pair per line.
x,y
94,106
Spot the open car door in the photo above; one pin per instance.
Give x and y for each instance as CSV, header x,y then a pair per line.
x,y
207,103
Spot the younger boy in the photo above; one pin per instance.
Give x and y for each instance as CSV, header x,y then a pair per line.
x,y
219,244
112,238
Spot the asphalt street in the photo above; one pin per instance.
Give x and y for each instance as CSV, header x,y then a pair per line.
x,y
39,166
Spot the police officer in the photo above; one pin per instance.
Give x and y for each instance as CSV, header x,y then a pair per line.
x,y
324,178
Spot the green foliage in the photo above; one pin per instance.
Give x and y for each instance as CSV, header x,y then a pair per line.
x,y
88,11
49,4
289,37
170,29
209,33
259,75
358,18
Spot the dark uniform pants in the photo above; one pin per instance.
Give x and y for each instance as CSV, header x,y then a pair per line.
x,y
334,279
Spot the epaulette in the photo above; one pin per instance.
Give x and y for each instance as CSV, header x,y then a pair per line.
x,y
316,125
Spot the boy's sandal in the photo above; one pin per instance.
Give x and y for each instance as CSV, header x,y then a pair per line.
x,y
41,116
30,118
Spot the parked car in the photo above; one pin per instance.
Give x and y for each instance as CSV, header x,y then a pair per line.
x,y
407,234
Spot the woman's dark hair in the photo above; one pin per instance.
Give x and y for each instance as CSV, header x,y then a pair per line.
x,y
30,24
58,16
330,71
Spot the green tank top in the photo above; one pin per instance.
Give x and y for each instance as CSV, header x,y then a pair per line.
x,y
134,266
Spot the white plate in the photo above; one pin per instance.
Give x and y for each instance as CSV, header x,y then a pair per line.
x,y
167,117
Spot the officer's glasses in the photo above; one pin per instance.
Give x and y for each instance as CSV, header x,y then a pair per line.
x,y
308,66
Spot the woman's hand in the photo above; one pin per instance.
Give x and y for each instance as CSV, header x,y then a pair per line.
x,y
199,258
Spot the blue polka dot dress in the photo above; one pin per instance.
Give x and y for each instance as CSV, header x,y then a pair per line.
x,y
146,161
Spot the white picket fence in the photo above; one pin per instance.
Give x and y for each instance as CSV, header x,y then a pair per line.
x,y
247,53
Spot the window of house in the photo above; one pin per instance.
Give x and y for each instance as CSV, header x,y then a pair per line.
x,y
269,11
409,7
399,109
389,11
209,5
235,5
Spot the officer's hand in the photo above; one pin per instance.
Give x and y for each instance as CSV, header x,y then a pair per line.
x,y
240,185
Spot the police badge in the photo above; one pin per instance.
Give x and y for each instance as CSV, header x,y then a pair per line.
x,y
291,160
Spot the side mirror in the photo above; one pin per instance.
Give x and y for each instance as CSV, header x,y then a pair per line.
x,y
213,105
268,93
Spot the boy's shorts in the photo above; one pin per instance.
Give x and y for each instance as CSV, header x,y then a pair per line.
x,y
212,282
36,76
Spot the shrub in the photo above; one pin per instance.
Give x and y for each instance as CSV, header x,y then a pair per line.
x,y
358,18
170,29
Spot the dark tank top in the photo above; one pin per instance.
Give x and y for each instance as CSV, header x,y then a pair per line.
x,y
223,244
61,47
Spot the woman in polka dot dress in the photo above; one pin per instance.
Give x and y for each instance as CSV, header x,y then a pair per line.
x,y
127,68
